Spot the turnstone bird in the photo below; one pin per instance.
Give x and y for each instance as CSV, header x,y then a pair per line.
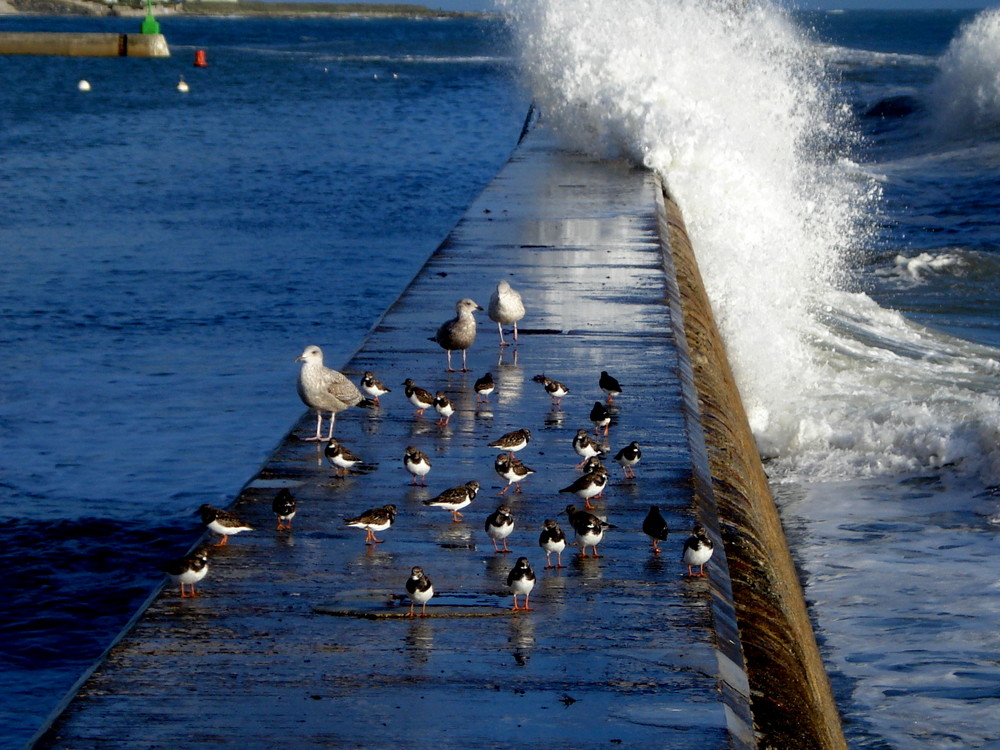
x,y
628,457
372,387
420,590
484,387
187,570
418,397
505,307
512,469
417,463
444,407
589,529
589,485
594,463
340,458
521,580
586,447
372,520
610,386
600,417
284,508
455,499
554,388
552,539
222,522
512,441
459,332
698,550
498,525
655,527
324,390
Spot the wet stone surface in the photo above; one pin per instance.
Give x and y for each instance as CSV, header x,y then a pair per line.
x,y
299,638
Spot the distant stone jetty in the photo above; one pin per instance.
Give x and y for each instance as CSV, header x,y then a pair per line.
x,y
222,8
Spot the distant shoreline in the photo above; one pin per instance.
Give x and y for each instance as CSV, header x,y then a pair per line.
x,y
217,8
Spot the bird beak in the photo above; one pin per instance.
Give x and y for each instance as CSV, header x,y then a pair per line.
x,y
299,359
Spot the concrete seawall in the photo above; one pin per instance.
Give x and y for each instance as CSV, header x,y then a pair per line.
x,y
303,635
793,703
83,44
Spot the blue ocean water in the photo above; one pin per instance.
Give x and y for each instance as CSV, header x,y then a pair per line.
x,y
166,256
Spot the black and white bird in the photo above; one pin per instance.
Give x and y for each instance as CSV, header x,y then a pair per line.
x,y
628,457
372,521
586,447
610,386
444,408
521,580
340,457
600,417
589,529
455,498
417,463
655,527
512,441
552,539
499,524
484,387
512,469
554,388
590,485
187,571
420,590
372,387
324,390
222,522
458,333
698,550
417,396
506,307
284,507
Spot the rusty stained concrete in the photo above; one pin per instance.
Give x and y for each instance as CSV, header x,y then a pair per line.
x,y
298,637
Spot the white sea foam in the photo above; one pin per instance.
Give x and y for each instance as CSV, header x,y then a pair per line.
x,y
730,102
965,97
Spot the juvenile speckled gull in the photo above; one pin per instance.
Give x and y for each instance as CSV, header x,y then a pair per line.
x,y
459,332
506,307
324,390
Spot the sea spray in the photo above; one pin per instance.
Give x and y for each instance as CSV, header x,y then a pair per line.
x,y
965,97
732,104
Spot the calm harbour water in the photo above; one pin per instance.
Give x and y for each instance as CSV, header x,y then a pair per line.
x,y
167,256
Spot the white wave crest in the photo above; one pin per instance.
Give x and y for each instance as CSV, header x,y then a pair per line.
x,y
729,101
965,97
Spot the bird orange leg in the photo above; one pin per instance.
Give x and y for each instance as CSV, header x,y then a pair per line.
x,y
587,505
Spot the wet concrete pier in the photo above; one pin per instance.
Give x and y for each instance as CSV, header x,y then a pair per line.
x,y
300,638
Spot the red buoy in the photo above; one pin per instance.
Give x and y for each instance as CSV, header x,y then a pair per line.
x,y
199,59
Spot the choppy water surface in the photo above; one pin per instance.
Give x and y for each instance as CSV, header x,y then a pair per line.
x,y
167,256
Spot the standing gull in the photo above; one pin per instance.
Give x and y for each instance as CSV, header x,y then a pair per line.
x,y
459,332
323,389
505,308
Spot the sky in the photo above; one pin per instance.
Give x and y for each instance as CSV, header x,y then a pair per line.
x,y
477,5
